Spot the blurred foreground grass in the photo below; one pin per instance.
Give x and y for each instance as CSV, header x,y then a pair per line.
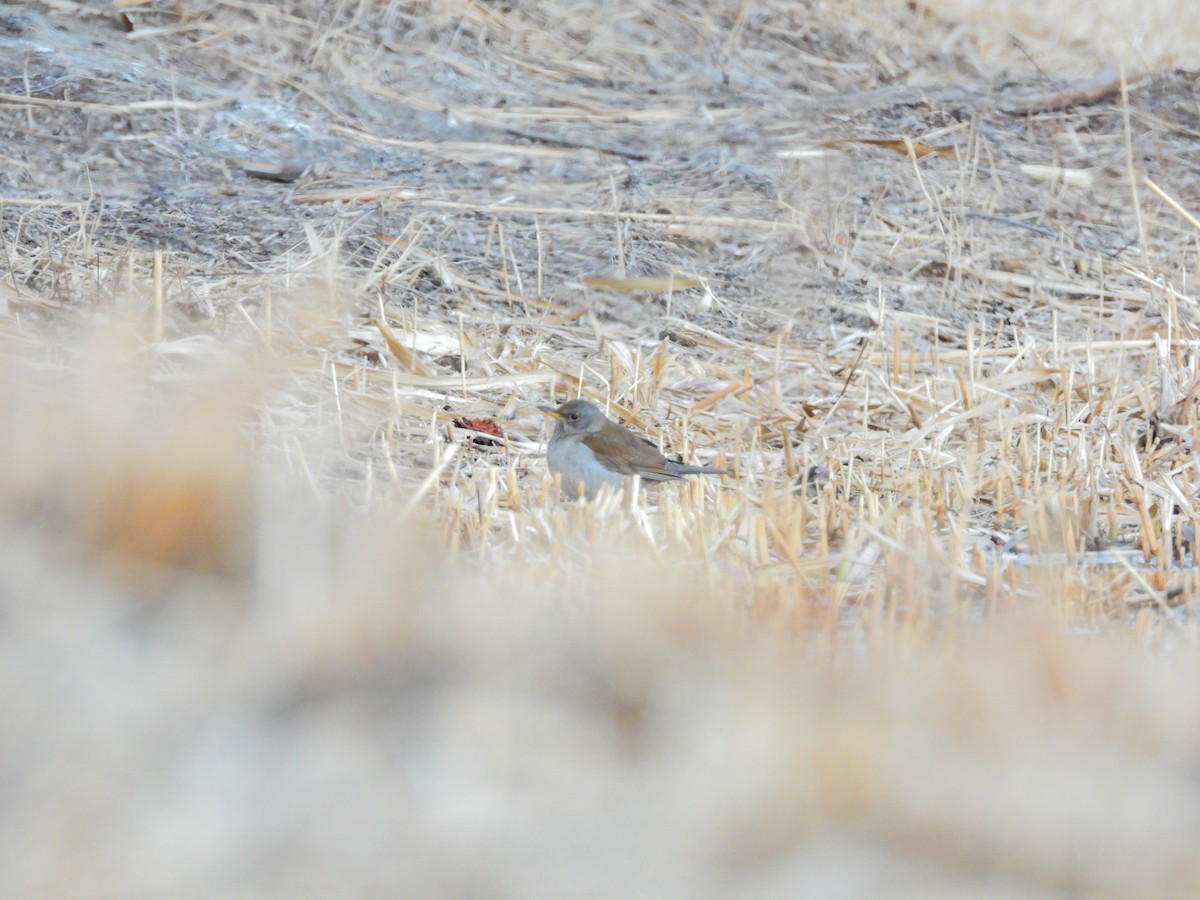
x,y
220,682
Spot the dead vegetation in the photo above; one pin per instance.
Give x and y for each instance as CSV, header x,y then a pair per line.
x,y
291,606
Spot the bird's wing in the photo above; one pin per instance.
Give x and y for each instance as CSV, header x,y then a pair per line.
x,y
629,454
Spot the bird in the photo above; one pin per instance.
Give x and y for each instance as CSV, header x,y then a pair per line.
x,y
590,450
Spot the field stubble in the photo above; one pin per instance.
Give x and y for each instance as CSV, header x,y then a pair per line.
x,y
292,607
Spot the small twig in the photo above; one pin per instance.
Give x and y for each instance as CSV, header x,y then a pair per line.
x,y
556,141
1004,220
1083,94
135,107
408,194
1172,202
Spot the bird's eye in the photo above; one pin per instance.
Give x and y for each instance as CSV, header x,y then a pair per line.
x,y
574,415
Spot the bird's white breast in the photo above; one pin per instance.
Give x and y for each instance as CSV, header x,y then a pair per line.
x,y
574,462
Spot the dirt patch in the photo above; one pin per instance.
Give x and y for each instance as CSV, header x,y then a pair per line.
x,y
739,162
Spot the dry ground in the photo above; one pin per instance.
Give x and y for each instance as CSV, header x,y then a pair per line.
x,y
275,622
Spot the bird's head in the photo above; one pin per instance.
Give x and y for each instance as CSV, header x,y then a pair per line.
x,y
577,416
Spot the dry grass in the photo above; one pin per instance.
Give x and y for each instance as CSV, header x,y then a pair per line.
x,y
277,626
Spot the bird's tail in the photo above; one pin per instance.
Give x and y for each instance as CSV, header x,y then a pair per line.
x,y
681,469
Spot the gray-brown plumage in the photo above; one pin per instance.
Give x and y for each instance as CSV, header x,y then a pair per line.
x,y
586,448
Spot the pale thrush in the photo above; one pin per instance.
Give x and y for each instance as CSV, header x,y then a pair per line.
x,y
587,449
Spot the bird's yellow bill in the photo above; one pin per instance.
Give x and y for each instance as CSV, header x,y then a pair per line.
x,y
550,411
